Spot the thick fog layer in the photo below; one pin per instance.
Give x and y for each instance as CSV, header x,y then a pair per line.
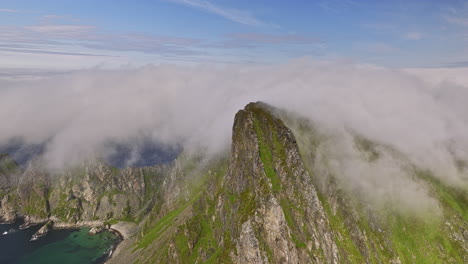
x,y
422,113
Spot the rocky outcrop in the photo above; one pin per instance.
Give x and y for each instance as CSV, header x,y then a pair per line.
x,y
90,192
9,171
248,246
125,229
95,230
7,210
262,205
257,206
286,212
43,230
272,199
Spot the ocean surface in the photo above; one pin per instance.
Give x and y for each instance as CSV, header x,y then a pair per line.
x,y
59,246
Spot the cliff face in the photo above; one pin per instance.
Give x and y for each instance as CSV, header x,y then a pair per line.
x,y
9,171
263,205
281,213
270,200
256,206
91,192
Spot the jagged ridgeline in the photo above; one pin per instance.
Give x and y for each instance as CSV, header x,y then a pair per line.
x,y
272,199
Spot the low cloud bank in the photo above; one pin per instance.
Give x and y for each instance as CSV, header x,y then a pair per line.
x,y
422,113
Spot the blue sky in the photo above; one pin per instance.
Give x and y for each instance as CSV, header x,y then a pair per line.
x,y
69,34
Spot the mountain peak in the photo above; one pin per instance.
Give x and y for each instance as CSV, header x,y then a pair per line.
x,y
266,171
259,204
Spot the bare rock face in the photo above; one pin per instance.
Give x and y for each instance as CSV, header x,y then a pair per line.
x,y
44,230
8,172
257,206
262,205
96,229
7,210
284,207
249,247
92,191
277,232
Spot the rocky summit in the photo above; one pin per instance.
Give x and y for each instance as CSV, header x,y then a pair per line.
x,y
270,200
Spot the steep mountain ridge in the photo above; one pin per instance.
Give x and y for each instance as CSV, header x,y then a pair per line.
x,y
273,199
266,209
287,214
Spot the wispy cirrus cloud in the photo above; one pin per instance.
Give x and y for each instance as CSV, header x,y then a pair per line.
x,y
44,51
461,21
235,15
253,40
145,43
60,28
380,26
413,36
275,38
54,38
375,48
12,11
57,35
457,15
6,10
456,64
337,6
55,31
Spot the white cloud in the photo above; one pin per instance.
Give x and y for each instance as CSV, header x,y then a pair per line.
x,y
47,37
461,21
274,38
414,35
80,111
375,47
77,114
232,14
457,16
74,29
4,10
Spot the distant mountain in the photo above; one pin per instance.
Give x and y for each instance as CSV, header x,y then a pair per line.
x,y
21,152
140,152
272,199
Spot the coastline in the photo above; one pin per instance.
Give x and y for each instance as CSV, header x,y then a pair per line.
x,y
123,230
126,230
29,221
116,246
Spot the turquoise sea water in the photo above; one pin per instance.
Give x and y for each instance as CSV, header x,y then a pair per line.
x,y
59,246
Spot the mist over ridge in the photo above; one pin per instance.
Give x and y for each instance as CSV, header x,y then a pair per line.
x,y
210,131
77,114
